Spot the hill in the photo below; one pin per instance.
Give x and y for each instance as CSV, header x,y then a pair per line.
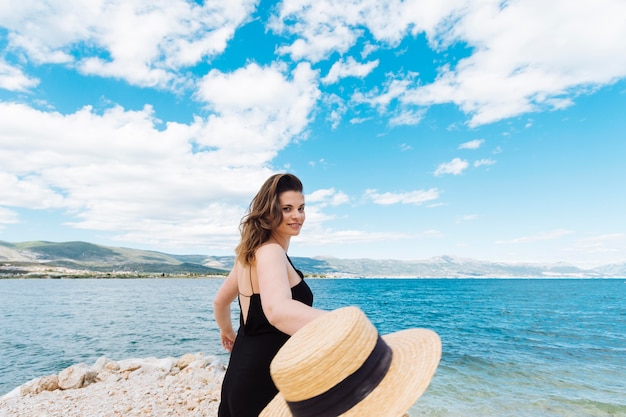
x,y
32,259
81,258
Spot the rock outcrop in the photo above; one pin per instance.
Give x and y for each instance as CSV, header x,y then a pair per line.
x,y
185,386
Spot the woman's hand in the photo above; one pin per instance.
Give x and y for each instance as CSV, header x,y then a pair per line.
x,y
228,339
221,309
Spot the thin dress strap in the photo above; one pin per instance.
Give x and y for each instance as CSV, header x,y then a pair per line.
x,y
300,274
250,277
251,286
289,259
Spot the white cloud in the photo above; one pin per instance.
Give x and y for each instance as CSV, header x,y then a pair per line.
x,y
482,162
143,44
368,48
348,68
30,190
606,243
359,120
7,216
467,217
407,117
551,235
514,69
337,109
393,89
328,196
433,233
326,26
472,144
454,167
321,162
525,56
183,184
13,78
257,108
417,197
321,27
324,237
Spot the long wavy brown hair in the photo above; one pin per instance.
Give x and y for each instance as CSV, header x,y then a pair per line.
x,y
264,215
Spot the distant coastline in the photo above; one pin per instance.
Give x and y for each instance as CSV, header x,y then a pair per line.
x,y
39,259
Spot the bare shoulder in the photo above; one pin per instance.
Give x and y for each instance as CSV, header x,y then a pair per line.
x,y
270,251
271,259
236,267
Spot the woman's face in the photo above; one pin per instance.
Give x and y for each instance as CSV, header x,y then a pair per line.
x,y
292,208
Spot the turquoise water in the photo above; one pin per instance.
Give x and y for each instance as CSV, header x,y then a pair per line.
x,y
510,347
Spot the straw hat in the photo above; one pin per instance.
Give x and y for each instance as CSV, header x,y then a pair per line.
x,y
338,365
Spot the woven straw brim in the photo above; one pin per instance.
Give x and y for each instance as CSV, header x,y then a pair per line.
x,y
416,355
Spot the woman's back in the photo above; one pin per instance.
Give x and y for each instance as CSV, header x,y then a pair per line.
x,y
248,386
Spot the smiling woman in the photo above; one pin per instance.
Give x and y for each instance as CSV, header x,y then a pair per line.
x,y
274,299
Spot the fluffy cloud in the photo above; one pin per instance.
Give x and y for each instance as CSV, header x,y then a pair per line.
x,y
13,78
348,68
528,56
524,56
325,237
326,26
328,196
607,243
454,167
126,172
472,144
417,197
407,117
541,236
7,216
258,106
142,43
482,162
116,171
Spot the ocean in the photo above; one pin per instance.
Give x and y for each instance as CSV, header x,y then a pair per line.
x,y
511,347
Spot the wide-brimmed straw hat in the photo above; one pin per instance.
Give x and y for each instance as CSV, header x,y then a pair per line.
x,y
338,365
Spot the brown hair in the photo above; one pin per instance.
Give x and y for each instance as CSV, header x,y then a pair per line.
x,y
264,215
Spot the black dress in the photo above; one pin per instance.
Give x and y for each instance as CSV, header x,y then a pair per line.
x,y
248,387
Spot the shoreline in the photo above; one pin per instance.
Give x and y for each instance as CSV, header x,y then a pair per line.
x,y
185,386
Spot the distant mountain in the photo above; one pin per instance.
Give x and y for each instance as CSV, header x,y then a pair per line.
x,y
444,267
81,258
612,270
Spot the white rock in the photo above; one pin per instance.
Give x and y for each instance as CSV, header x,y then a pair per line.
x,y
193,392
218,365
164,364
37,385
185,360
101,363
76,376
130,364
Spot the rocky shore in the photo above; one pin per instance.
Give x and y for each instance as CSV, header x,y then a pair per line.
x,y
186,386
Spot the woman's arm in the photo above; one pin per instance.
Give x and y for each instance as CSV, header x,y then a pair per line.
x,y
284,313
221,308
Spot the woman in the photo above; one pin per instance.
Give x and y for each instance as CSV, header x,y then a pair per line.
x,y
274,300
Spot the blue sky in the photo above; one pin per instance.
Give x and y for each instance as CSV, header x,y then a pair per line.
x,y
491,130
